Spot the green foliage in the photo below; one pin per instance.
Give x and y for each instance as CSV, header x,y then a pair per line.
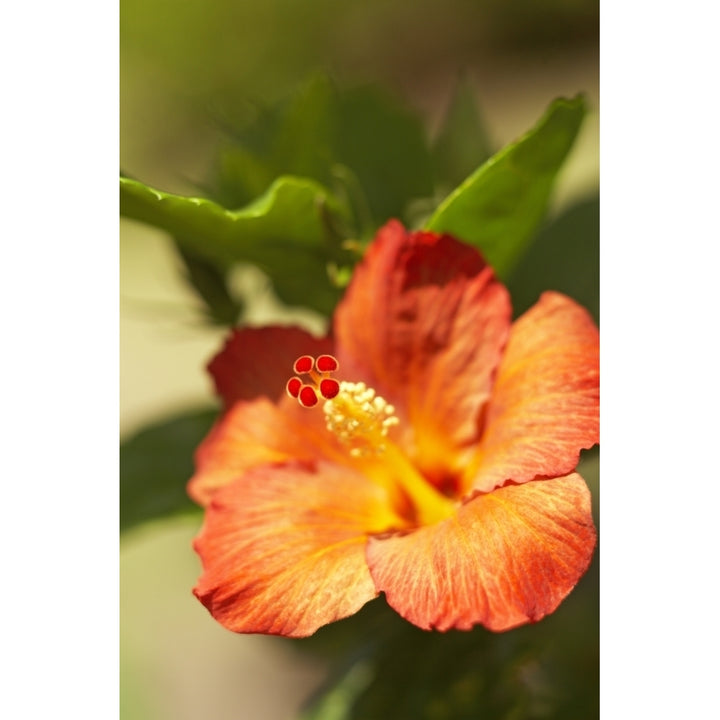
x,y
210,283
360,140
155,466
315,176
568,251
499,207
386,150
462,144
289,232
533,672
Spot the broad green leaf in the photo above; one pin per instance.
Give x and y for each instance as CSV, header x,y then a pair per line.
x,y
360,138
462,143
336,701
304,140
289,233
546,670
564,256
240,176
155,466
210,284
500,206
386,148
293,137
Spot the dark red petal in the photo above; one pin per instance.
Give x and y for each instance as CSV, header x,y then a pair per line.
x,y
256,362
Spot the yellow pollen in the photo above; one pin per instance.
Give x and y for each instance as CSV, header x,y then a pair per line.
x,y
360,418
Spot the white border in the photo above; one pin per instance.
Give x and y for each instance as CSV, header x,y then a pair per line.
x,y
659,359
59,535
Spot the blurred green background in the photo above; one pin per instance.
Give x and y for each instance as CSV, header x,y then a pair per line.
x,y
184,66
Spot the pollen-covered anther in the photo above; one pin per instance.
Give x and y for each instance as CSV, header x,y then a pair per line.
x,y
360,418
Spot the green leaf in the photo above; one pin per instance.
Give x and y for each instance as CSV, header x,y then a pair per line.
x,y
462,143
545,670
155,466
291,137
500,206
303,142
385,147
336,701
288,233
565,256
240,176
211,285
360,137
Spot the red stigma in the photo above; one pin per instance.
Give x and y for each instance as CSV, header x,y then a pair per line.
x,y
307,396
293,386
320,384
329,388
326,363
304,364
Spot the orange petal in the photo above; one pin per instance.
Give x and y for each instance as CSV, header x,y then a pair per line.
x,y
283,548
258,361
255,433
507,558
545,404
424,322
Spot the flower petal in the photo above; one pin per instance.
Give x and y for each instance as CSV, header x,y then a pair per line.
x,y
283,548
256,433
424,322
507,558
545,404
258,361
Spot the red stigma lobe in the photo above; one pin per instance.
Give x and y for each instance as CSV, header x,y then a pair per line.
x,y
293,386
326,363
304,364
321,384
307,396
329,388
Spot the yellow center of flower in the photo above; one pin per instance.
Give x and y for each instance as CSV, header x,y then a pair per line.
x,y
361,420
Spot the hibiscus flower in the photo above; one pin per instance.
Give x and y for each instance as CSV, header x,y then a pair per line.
x,y
426,449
